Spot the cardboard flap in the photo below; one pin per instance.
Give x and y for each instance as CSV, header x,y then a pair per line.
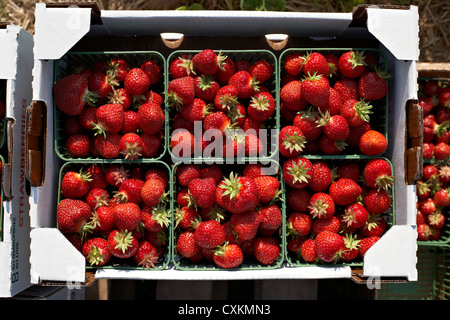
x,y
36,142
434,70
8,166
414,143
8,54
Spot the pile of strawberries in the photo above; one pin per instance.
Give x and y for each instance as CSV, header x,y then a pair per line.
x,y
433,201
227,219
332,216
116,213
327,100
111,110
434,99
228,98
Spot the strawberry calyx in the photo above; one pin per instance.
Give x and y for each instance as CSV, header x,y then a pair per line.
x,y
299,172
205,82
383,74
357,59
372,221
294,142
312,77
231,185
98,129
220,60
319,208
149,260
217,213
161,215
351,242
187,65
123,240
228,101
132,151
221,249
363,109
260,102
309,114
384,182
91,98
95,256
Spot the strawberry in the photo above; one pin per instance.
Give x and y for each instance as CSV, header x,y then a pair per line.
x,y
356,112
246,224
271,218
228,256
97,197
261,107
436,220
347,89
294,244
351,64
331,224
101,83
72,124
293,64
355,215
334,127
203,192
209,234
130,146
427,105
212,171
146,255
182,143
237,194
423,232
320,176
444,96
186,245
195,110
96,251
427,206
206,88
71,94
442,197
152,69
299,224
333,64
207,62
345,191
118,68
186,172
109,119
292,97
372,143
374,226
245,83
73,215
373,85
127,216
181,91
261,71
331,147
216,121
316,90
268,187
355,133
75,184
103,218
185,217
367,243
226,98
316,63
115,174
266,249
224,74
329,246
321,205
108,147
298,199
151,144
78,145
350,170
156,218
151,118
351,250
88,118
130,191
308,251
377,201
291,141
442,151
306,121
152,192
377,173
136,82
181,67
297,172
130,122
334,104
122,244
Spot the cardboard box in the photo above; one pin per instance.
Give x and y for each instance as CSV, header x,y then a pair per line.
x,y
16,63
393,30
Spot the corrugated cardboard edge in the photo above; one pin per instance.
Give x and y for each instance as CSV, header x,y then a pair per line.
x,y
435,70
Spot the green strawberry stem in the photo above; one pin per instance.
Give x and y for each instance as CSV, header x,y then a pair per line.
x,y
123,240
299,172
232,186
95,256
162,215
363,110
294,142
357,59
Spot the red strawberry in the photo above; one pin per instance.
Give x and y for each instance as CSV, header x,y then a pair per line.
x,y
351,64
334,104
246,224
97,197
108,147
271,218
294,244
96,251
299,224
377,201
261,71
216,121
209,234
331,224
136,82
122,244
347,89
268,187
372,143
245,83
316,63
226,98
207,62
291,141
334,127
203,192
182,143
345,191
375,226
306,121
333,64
427,105
151,144
71,94
355,133
151,118
441,151
130,191
308,251
351,250
75,184
298,199
195,110
355,215
186,172
115,174
373,85
237,194
73,215
321,205
181,67
331,147
356,112
297,172
152,69
130,146
377,173
130,122
156,218
103,218
350,170
316,90
436,220
78,145
88,118
293,64
181,91
320,176
266,249
146,255
186,245
118,68
261,107
127,216
101,83
109,119
442,197
423,232
444,97
228,256
152,192
292,97
329,246
206,88
427,206
224,74
366,243
185,217
72,124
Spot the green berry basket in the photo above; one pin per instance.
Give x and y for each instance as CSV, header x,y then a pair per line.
x,y
249,262
73,61
379,117
271,125
128,264
294,259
